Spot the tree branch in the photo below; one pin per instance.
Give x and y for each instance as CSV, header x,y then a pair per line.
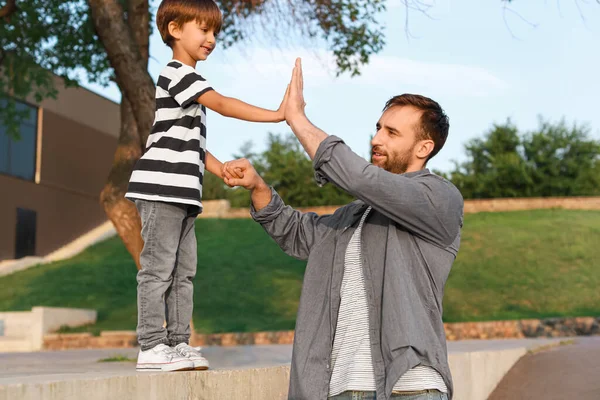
x,y
9,8
138,18
505,9
419,6
125,58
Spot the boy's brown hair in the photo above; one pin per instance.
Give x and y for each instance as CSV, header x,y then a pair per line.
x,y
183,11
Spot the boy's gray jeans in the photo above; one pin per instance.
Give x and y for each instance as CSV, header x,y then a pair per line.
x,y
168,266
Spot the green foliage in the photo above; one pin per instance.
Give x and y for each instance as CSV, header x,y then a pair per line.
x,y
213,187
553,160
285,166
43,38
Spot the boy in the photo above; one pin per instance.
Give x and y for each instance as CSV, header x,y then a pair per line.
x,y
166,184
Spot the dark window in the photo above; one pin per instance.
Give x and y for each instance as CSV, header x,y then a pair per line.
x,y
17,156
25,233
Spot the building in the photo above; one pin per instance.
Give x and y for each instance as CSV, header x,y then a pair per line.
x,y
50,179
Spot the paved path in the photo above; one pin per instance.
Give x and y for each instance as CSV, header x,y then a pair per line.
x,y
52,365
48,365
570,372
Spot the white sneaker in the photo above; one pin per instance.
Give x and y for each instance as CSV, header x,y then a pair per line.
x,y
192,354
162,358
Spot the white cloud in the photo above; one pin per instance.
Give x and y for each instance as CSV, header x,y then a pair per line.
x,y
259,66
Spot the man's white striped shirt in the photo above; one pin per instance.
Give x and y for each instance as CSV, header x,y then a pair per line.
x,y
172,167
351,355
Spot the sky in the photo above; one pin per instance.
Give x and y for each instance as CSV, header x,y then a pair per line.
x,y
481,62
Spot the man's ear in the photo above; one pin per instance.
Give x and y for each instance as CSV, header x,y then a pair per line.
x,y
424,149
174,30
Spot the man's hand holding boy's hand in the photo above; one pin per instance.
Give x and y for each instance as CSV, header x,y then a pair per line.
x,y
249,177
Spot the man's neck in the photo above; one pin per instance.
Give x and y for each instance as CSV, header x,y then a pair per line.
x,y
415,168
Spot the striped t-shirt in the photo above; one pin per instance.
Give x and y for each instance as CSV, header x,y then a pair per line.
x,y
351,355
172,167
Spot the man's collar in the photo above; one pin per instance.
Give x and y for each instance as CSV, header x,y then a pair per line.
x,y
412,174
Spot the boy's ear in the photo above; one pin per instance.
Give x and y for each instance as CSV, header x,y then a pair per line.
x,y
174,30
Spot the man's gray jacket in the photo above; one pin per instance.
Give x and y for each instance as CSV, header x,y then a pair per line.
x,y
409,242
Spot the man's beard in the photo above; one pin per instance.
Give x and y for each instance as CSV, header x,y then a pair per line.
x,y
396,163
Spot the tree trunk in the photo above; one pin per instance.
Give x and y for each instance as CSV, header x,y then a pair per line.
x,y
125,57
9,8
119,210
132,138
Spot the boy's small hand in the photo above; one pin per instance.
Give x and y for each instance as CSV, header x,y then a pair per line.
x,y
283,105
250,180
236,172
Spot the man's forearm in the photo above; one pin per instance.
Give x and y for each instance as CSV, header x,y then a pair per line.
x,y
309,135
261,196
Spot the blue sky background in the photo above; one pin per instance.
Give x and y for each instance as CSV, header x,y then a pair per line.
x,y
482,63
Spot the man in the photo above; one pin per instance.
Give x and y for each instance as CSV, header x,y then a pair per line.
x,y
369,323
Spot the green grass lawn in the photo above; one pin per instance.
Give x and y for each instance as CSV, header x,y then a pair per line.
x,y
528,264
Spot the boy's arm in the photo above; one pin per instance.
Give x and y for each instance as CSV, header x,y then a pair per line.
x,y
234,108
213,165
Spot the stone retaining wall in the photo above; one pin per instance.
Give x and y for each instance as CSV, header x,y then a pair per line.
x,y
530,328
222,208
526,328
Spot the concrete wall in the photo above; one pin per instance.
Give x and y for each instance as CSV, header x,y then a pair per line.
x,y
221,208
75,156
16,324
77,138
30,327
85,107
248,384
475,375
533,203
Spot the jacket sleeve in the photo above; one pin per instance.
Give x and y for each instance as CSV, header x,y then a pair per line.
x,y
295,232
426,205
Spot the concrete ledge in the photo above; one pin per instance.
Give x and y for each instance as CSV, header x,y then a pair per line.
x,y
477,368
250,384
9,266
31,326
476,374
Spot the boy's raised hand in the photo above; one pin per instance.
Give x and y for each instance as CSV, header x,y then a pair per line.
x,y
282,106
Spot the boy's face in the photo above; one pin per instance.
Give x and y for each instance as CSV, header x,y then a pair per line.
x,y
197,40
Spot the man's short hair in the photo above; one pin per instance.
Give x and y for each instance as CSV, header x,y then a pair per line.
x,y
434,123
183,11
